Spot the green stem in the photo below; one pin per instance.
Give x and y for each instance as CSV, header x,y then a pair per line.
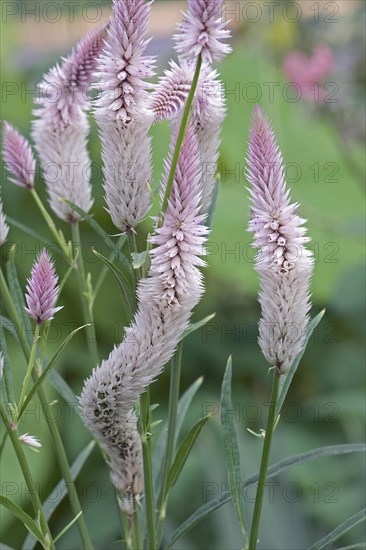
x,y
264,462
175,374
148,477
36,502
65,468
135,529
86,296
181,133
136,273
52,426
51,224
30,365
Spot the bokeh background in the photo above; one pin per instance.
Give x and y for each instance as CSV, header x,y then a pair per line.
x,y
322,138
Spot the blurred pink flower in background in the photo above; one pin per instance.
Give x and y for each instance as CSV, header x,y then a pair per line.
x,y
307,72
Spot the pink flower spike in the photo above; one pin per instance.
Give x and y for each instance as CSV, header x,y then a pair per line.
x,y
30,440
203,31
42,289
283,263
18,157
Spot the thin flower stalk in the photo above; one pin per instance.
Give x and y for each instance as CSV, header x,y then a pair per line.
x,y
284,264
166,299
122,115
285,268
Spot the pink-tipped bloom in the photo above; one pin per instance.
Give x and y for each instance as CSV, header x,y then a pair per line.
x,y
61,129
123,67
30,441
4,228
42,289
284,264
307,73
18,157
122,115
168,101
166,299
203,31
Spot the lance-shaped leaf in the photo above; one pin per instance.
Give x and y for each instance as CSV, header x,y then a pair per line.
x,y
24,518
340,531
232,449
196,326
207,509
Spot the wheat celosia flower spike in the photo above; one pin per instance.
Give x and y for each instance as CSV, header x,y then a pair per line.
x,y
61,129
284,264
4,228
18,157
122,115
42,289
203,31
168,101
166,299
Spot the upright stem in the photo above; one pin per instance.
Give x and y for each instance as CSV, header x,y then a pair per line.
x,y
51,224
30,366
59,448
264,462
36,502
175,373
148,477
181,133
86,298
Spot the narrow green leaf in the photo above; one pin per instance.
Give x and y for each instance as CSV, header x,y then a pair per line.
x,y
19,303
7,377
27,230
285,380
23,517
65,529
5,547
48,368
64,390
198,325
160,449
60,491
9,325
232,449
105,270
275,469
102,234
121,279
340,530
183,452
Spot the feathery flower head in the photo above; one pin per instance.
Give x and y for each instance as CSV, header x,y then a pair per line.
x,y
61,130
284,265
42,289
18,157
180,240
63,94
30,440
4,228
203,31
278,229
122,67
166,299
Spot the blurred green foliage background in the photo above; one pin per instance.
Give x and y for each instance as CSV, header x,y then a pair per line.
x,y
323,146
